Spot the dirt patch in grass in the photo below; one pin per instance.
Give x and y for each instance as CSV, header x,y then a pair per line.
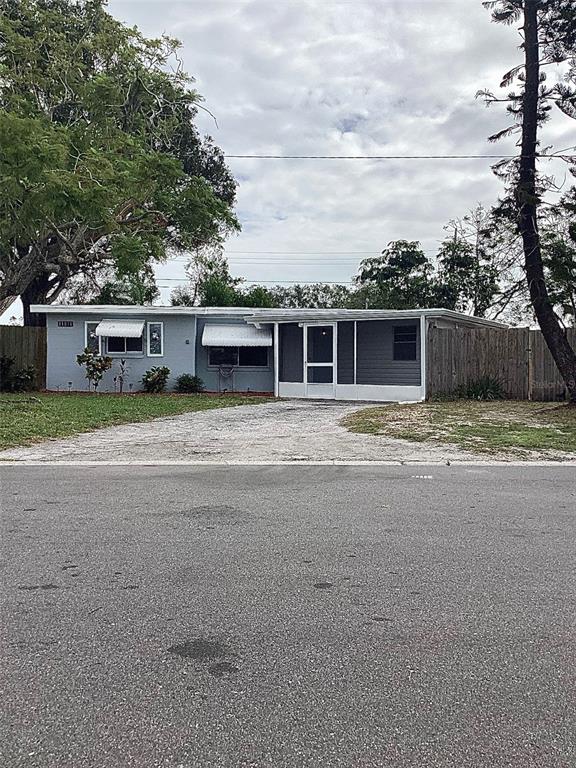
x,y
26,419
522,429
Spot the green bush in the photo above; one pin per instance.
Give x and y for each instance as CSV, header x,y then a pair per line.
x,y
186,383
94,365
484,388
155,379
20,380
24,380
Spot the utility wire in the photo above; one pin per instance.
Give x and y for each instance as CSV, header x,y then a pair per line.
x,y
393,157
375,252
309,253
258,282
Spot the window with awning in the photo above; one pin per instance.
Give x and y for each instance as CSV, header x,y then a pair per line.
x,y
129,329
220,335
231,346
121,336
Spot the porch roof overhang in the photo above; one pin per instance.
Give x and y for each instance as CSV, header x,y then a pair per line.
x,y
335,315
219,335
130,329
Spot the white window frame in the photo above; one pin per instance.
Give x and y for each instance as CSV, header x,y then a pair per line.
x,y
86,324
126,353
238,366
148,338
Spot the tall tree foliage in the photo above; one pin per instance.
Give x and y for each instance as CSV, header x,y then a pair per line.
x,y
467,279
401,278
549,38
210,282
311,296
101,166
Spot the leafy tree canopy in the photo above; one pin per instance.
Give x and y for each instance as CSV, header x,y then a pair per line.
x,y
101,165
311,296
402,275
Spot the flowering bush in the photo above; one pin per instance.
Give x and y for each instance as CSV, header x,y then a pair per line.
x,y
95,365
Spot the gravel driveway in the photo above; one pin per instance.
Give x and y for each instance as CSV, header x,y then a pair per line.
x,y
287,430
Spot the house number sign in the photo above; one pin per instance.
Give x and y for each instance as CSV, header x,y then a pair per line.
x,y
65,323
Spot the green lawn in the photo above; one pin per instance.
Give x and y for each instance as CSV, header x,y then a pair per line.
x,y
503,426
28,418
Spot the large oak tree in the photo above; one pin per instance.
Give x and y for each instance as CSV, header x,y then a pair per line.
x,y
101,166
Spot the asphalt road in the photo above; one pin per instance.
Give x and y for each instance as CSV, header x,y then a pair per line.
x,y
288,616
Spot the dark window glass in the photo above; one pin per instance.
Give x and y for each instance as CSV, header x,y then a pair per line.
x,y
116,344
134,345
405,339
121,345
320,348
223,356
320,374
256,356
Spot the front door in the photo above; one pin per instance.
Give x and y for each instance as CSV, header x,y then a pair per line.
x,y
319,357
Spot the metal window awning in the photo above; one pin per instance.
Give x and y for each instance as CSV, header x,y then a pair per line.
x,y
235,336
130,329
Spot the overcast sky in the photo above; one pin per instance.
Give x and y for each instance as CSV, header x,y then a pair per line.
x,y
331,77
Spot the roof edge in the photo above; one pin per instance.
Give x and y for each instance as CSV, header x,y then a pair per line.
x,y
255,314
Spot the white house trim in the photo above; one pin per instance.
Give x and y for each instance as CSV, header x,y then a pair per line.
x,y
276,360
149,338
86,324
423,332
269,315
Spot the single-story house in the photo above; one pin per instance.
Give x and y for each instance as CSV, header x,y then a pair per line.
x,y
310,353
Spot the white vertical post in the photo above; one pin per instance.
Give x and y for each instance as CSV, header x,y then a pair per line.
x,y
276,360
355,343
193,342
334,357
423,328
305,355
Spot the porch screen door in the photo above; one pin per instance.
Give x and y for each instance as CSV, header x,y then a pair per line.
x,y
319,357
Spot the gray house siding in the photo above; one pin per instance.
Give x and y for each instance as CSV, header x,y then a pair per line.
x,y
253,379
375,362
345,353
64,343
291,352
374,355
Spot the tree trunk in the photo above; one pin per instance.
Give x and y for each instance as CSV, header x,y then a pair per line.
x,y
527,199
35,293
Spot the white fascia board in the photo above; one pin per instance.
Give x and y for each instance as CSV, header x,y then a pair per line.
x,y
269,315
109,309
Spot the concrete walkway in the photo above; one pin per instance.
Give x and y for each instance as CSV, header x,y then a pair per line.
x,y
288,430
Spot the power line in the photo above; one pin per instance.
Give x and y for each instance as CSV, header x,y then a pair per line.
x,y
308,253
288,253
272,282
392,157
298,264
294,262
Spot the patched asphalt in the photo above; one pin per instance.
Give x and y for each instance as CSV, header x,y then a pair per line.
x,y
288,617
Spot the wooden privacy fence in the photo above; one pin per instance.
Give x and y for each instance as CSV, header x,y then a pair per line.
x,y
517,357
28,348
